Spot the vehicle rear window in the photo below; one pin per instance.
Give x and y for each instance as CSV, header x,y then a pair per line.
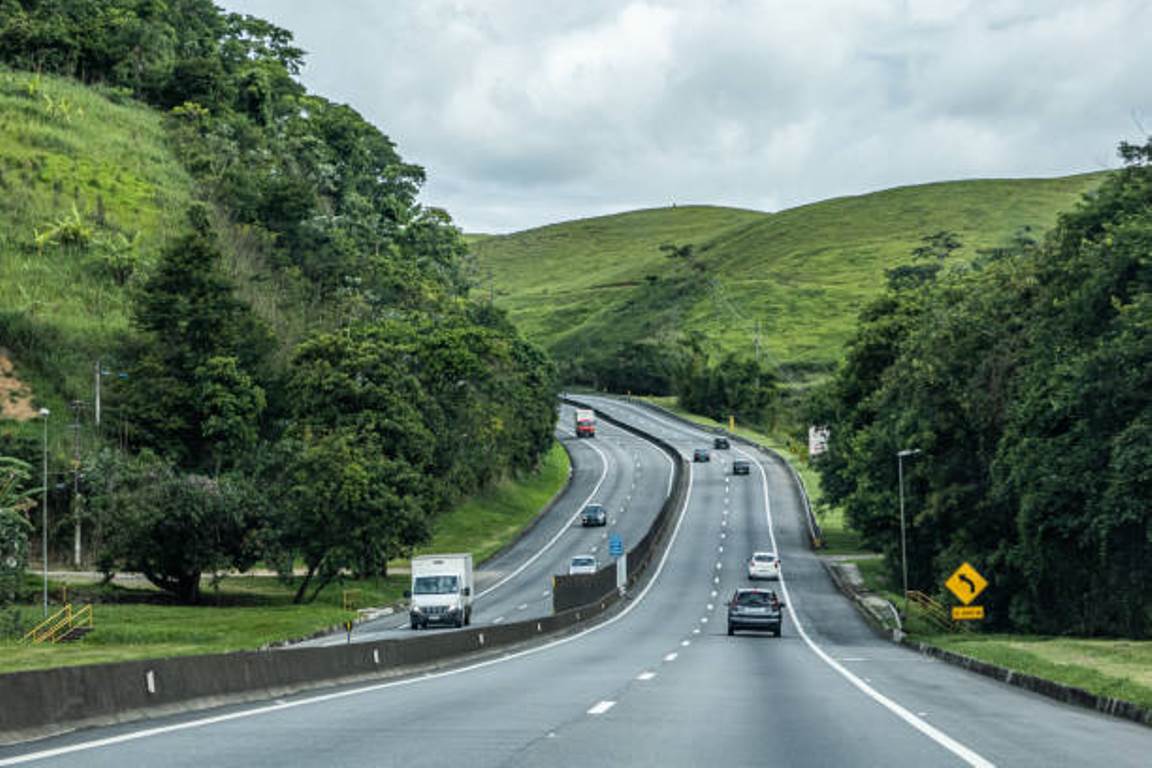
x,y
755,599
583,561
764,558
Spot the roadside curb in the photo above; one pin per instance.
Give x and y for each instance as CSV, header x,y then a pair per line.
x,y
875,621
1064,693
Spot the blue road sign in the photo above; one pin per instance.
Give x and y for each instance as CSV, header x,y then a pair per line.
x,y
615,545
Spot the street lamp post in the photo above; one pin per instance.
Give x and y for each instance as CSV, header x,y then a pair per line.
x,y
44,414
900,456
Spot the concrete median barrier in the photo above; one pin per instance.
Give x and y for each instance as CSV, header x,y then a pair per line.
x,y
39,703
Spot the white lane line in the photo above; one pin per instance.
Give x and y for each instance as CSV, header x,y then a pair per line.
x,y
563,530
696,631
685,643
522,607
714,593
601,708
710,606
719,566
944,740
720,550
703,619
322,698
545,593
671,657
645,675
498,619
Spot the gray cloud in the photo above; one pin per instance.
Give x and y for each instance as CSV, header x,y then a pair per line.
x,y
526,112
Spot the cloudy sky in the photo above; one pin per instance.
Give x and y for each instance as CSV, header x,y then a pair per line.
x,y
526,112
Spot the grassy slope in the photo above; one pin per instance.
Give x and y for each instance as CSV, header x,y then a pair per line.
x,y
65,147
251,611
803,273
1107,667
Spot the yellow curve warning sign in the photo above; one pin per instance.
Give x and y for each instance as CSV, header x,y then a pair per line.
x,y
966,583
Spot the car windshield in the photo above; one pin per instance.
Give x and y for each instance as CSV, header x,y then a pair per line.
x,y
435,585
755,599
583,561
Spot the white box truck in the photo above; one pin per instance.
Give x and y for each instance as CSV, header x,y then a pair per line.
x,y
441,590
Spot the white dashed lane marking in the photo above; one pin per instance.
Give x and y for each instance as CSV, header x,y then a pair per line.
x,y
671,657
645,675
601,707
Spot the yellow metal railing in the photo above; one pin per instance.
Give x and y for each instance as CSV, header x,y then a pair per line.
x,y
933,611
58,625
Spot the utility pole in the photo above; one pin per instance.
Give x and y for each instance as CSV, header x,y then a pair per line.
x,y
77,407
900,456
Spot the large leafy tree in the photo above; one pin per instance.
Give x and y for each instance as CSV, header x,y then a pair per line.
x,y
1025,377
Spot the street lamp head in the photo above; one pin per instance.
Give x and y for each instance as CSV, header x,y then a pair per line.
x,y
45,412
908,452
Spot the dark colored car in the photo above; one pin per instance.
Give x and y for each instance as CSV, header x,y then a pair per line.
x,y
741,467
757,609
594,514
701,454
720,443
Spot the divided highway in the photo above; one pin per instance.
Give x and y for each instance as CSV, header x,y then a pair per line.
x,y
658,683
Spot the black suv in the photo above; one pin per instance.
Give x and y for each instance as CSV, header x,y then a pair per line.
x,y
594,514
720,443
758,609
701,454
741,467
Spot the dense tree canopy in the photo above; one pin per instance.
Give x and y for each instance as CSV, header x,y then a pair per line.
x,y
1025,377
397,394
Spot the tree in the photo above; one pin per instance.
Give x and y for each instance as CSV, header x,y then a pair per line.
x,y
174,527
15,499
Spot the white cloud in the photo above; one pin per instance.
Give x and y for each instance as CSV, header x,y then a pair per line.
x,y
526,112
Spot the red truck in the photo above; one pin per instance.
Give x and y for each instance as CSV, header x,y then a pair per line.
x,y
585,423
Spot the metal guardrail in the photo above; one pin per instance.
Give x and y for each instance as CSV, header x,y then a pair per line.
x,y
814,530
932,610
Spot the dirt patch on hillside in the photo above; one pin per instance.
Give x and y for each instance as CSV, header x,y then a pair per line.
x,y
15,398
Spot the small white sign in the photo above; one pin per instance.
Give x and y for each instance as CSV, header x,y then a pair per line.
x,y
818,440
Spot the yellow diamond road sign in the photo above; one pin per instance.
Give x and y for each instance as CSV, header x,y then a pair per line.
x,y
966,583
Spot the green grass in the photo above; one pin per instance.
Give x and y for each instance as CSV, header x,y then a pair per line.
x,y
495,517
1118,668
803,273
67,152
247,612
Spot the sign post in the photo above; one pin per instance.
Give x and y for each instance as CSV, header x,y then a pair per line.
x,y
616,549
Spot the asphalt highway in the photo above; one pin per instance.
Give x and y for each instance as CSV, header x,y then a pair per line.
x,y
659,683
628,475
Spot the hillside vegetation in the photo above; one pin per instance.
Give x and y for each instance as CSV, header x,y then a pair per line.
x,y
90,189
292,351
590,290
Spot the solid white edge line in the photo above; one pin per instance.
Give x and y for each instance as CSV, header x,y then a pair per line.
x,y
966,754
563,530
113,740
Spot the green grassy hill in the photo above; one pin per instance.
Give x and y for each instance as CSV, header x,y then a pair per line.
x,y
803,274
86,184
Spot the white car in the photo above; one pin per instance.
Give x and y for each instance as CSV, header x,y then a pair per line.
x,y
763,565
583,564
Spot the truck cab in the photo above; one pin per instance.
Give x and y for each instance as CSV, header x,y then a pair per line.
x,y
585,422
441,591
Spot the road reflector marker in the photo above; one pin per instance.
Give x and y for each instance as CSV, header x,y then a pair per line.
x,y
150,681
602,707
376,655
